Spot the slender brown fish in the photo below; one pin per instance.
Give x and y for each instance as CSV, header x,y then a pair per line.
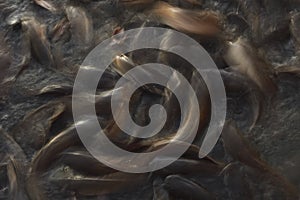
x,y
242,57
84,162
295,70
194,2
16,159
22,57
122,64
10,147
53,148
46,4
203,97
135,2
203,166
60,30
109,184
238,147
5,59
5,63
36,33
235,82
102,106
172,108
204,23
81,25
63,89
34,129
295,27
152,145
179,186
15,174
43,159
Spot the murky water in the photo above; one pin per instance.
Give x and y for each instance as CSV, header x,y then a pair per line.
x,y
270,27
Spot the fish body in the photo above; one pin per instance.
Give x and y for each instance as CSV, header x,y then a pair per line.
x,y
188,166
33,130
204,23
43,159
295,70
236,82
109,184
295,28
238,147
81,25
244,58
10,146
15,173
46,4
179,186
5,58
36,34
84,162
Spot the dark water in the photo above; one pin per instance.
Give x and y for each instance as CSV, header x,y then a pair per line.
x,y
275,136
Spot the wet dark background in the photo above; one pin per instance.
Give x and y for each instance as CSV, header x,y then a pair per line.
x,y
269,25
